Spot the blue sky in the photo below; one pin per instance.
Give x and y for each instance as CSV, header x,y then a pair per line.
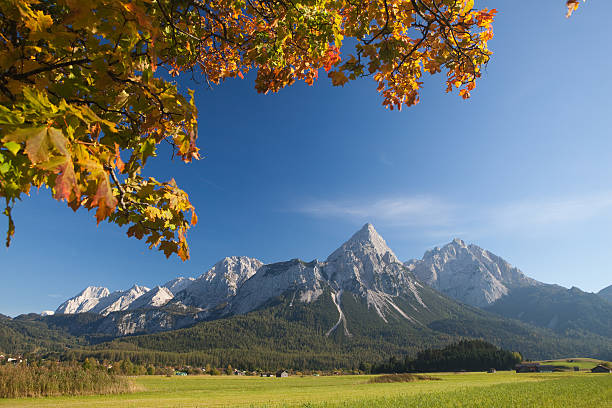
x,y
522,169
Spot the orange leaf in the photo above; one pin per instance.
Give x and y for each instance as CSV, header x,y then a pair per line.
x,y
66,182
572,5
118,162
104,199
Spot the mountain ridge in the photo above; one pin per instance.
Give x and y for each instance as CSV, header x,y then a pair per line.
x,y
468,273
606,293
360,292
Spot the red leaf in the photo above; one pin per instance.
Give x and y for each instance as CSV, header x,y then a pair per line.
x,y
66,182
104,199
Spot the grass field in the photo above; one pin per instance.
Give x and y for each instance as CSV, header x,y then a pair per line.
x,y
581,363
500,390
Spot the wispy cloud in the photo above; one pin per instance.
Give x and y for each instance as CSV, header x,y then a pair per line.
x,y
437,217
551,211
419,210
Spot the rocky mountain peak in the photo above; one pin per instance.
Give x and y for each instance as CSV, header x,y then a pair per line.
x,y
468,273
119,300
177,284
234,269
365,243
304,279
219,283
83,302
94,291
365,264
138,289
156,297
458,242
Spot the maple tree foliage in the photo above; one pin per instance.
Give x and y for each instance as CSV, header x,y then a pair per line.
x,y
84,104
572,5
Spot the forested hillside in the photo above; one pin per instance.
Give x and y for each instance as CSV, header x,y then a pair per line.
x,y
285,335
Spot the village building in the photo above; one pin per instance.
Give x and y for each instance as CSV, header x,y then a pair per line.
x,y
601,369
282,374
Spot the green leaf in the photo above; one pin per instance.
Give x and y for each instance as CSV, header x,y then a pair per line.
x,y
12,147
10,117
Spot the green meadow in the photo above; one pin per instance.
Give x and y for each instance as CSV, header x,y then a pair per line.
x,y
581,363
500,390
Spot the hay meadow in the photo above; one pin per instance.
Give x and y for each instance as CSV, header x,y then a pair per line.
x,y
500,390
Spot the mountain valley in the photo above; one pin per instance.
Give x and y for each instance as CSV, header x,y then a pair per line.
x,y
360,302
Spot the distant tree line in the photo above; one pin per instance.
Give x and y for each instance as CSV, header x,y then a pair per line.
x,y
256,359
465,355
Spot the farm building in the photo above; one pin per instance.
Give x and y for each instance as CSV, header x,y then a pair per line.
x,y
601,369
180,373
282,374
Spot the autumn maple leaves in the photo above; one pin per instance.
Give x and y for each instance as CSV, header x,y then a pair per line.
x,y
572,5
83,107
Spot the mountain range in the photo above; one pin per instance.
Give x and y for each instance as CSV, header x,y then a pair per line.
x,y
360,301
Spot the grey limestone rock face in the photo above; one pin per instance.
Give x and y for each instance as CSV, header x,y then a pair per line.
x,y
84,301
468,273
178,284
143,321
364,265
156,297
119,300
275,279
220,283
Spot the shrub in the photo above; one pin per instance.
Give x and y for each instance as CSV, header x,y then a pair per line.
x,y
56,379
393,378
